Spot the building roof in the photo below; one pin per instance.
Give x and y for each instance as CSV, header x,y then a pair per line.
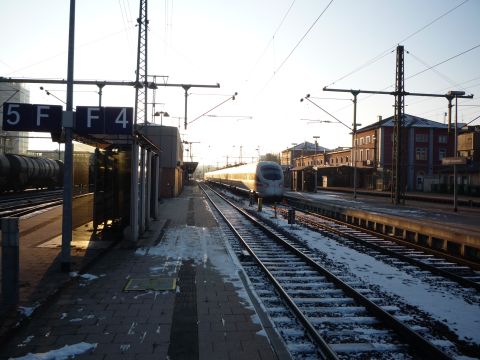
x,y
307,146
409,121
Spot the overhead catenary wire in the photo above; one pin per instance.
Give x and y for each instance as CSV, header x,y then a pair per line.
x,y
443,62
391,49
275,72
478,117
216,106
61,53
462,85
125,20
424,63
272,38
420,72
302,38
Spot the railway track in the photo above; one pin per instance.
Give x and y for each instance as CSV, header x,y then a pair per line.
x,y
390,248
329,314
21,205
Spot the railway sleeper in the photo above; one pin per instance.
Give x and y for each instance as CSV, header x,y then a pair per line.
x,y
368,347
300,280
336,310
292,273
282,264
323,292
308,287
345,320
358,332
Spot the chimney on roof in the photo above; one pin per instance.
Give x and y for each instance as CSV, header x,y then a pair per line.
x,y
379,118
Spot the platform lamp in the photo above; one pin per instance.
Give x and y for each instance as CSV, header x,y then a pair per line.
x,y
315,137
293,153
161,114
451,95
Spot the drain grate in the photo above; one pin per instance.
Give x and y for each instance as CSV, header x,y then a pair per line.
x,y
152,283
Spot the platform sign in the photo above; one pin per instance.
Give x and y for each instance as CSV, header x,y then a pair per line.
x,y
89,120
104,120
118,120
31,117
454,160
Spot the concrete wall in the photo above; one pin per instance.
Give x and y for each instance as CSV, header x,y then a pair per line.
x,y
167,138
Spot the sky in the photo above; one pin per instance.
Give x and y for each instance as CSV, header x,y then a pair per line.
x,y
272,53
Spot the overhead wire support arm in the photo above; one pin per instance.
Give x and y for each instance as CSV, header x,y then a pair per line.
x,y
102,83
392,93
205,113
186,87
307,97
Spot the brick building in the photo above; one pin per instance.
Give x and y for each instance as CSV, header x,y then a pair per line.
x,y
468,174
424,143
288,157
423,146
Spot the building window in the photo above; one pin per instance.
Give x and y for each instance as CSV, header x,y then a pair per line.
x,y
442,153
367,154
421,138
421,154
361,155
368,139
362,141
442,139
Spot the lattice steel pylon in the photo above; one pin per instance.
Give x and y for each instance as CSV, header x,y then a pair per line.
x,y
397,176
141,85
137,195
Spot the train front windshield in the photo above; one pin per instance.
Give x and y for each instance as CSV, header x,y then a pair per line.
x,y
271,173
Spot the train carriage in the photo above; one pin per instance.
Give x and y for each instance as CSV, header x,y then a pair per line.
x,y
263,178
19,172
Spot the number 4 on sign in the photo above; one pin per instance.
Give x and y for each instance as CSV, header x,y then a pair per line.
x,y
118,120
122,118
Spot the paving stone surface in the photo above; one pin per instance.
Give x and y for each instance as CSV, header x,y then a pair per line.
x,y
209,314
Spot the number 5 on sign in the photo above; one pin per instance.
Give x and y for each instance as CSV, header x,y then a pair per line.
x,y
31,117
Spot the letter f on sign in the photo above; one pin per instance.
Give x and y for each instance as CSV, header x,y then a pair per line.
x,y
91,116
40,115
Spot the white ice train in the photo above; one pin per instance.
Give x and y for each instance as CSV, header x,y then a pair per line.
x,y
263,178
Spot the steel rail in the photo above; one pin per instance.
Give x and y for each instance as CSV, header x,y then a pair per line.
x,y
22,203
325,350
425,266
30,209
302,207
410,336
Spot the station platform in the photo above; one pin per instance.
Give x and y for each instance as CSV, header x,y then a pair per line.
x,y
177,294
434,224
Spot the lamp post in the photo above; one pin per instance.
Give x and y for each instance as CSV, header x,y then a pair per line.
x,y
354,143
353,129
293,153
316,137
161,114
451,95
